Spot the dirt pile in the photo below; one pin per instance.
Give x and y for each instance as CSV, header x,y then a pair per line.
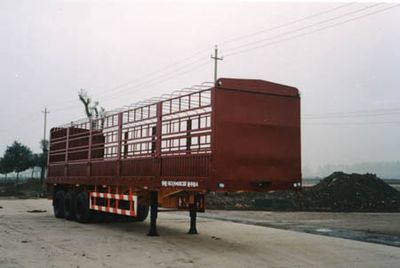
x,y
337,192
350,192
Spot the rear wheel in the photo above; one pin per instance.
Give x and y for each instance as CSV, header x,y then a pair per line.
x,y
141,213
69,205
58,204
82,211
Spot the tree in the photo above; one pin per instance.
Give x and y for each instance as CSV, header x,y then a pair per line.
x,y
5,166
20,157
2,170
42,159
84,98
34,162
92,110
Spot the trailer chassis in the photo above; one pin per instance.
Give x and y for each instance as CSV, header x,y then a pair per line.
x,y
80,203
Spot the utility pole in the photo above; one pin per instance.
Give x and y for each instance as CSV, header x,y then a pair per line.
x,y
216,59
44,147
45,121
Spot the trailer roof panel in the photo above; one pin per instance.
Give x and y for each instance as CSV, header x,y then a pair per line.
x,y
259,86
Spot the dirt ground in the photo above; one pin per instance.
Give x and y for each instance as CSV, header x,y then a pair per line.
x,y
40,240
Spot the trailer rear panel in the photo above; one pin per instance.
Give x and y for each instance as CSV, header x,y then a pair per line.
x,y
256,136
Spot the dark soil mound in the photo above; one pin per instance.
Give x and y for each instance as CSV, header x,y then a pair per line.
x,y
337,192
350,192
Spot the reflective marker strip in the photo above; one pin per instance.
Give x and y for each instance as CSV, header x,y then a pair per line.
x,y
126,212
111,196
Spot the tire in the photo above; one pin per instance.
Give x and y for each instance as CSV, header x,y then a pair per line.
x,y
58,204
69,205
142,213
82,210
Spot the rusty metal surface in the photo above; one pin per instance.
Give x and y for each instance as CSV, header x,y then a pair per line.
x,y
244,134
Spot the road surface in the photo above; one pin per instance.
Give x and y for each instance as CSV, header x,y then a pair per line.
x,y
39,240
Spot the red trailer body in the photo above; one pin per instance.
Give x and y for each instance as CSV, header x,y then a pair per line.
x,y
236,135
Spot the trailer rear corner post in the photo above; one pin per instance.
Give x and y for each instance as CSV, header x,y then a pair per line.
x,y
193,215
153,213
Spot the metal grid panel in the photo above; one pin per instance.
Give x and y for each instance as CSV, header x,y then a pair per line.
x,y
131,132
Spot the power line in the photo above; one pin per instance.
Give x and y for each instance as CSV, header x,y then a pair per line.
x,y
139,82
353,123
316,117
109,91
294,31
350,116
263,31
284,33
307,33
287,24
160,70
327,117
229,41
357,112
146,82
337,17
151,84
168,78
164,78
317,30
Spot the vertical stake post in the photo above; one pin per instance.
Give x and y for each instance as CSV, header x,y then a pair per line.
x,y
193,215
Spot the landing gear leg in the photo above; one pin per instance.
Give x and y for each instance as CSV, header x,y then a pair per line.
x,y
193,215
153,213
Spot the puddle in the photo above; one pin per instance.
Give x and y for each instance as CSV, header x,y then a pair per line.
x,y
323,230
364,236
384,239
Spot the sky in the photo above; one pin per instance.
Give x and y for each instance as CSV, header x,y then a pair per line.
x,y
343,57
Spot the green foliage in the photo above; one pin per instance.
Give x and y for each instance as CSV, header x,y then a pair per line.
x,y
5,165
35,160
19,157
27,189
42,158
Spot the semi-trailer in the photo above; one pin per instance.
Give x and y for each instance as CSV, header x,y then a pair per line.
x,y
234,135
